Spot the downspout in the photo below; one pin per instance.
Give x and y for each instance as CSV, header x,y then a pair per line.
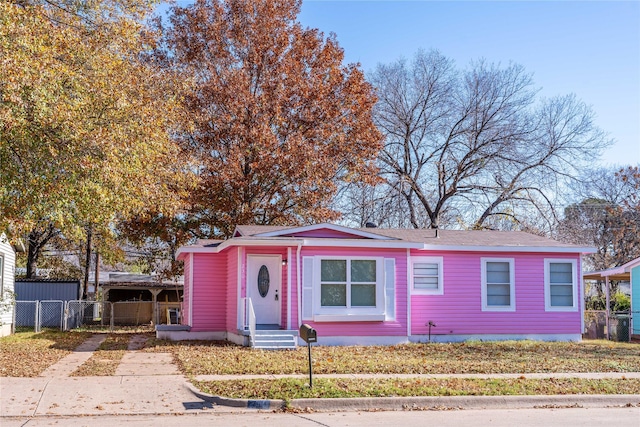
x,y
191,289
606,284
408,294
298,284
239,302
289,288
581,298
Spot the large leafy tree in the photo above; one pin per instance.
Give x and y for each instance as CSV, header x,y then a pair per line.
x,y
275,118
475,147
607,216
84,119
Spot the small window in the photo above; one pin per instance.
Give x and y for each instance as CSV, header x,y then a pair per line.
x,y
427,275
1,277
498,284
560,285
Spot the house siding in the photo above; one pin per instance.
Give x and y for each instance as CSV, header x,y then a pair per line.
x,y
186,294
458,311
8,270
635,299
232,299
209,295
393,328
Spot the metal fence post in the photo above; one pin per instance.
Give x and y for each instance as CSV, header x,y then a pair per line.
x,y
36,321
111,322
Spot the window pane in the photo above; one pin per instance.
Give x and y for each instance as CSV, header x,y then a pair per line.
x,y
498,300
425,282
498,294
561,295
560,272
420,269
363,271
498,272
333,295
333,270
363,295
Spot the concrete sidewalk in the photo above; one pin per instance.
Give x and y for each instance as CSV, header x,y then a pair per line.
x,y
150,383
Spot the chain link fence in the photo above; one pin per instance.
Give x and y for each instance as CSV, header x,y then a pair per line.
x,y
67,315
25,314
87,314
618,325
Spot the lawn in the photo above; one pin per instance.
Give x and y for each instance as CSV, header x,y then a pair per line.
x,y
205,358
28,354
295,388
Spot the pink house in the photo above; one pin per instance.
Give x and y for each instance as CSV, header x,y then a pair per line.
x,y
379,286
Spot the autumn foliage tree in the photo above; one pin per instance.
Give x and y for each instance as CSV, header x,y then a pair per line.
x,y
84,119
275,119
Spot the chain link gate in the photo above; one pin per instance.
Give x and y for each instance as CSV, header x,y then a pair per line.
x,y
25,314
88,313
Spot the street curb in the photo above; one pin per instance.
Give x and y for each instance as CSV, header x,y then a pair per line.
x,y
268,404
465,402
428,402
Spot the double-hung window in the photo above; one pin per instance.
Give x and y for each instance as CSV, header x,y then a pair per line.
x,y
498,284
349,288
426,276
560,285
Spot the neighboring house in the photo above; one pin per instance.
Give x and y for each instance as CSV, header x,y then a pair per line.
x,y
7,267
381,286
629,272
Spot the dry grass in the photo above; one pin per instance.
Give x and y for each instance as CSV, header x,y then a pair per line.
x,y
28,354
293,388
106,358
203,358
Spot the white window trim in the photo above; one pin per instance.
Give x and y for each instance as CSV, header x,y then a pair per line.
x,y
547,283
512,283
432,260
336,314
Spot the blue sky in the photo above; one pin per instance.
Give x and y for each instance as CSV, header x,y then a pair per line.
x,y
588,48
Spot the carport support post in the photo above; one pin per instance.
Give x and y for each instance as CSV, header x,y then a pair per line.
x,y
154,297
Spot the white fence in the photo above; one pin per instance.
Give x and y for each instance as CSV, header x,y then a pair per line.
x,y
66,315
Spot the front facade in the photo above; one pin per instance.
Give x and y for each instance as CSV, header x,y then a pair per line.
x,y
7,267
375,286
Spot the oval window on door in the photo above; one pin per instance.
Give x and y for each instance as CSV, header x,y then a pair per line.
x,y
263,281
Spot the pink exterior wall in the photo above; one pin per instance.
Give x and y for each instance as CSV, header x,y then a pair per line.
x,y
209,292
232,288
398,327
459,310
187,290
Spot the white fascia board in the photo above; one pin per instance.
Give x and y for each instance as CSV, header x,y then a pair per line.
x,y
328,226
545,249
628,266
349,243
236,242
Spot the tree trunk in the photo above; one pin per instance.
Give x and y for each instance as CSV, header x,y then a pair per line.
x,y
87,263
38,238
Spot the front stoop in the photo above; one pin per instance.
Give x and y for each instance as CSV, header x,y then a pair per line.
x,y
278,339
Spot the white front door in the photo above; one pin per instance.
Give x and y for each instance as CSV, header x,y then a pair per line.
x,y
264,287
